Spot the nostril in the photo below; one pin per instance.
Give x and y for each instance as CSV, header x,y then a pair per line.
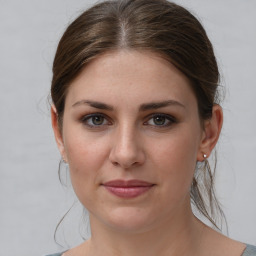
x,y
126,153
124,165
115,163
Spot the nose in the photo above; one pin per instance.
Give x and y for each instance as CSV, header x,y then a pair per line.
x,y
126,150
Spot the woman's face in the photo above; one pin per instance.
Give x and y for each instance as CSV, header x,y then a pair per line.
x,y
131,136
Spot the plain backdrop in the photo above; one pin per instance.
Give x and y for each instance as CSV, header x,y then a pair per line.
x,y
32,200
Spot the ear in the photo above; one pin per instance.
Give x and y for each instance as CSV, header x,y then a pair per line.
x,y
211,132
57,132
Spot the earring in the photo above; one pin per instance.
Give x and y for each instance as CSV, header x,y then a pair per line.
x,y
64,161
205,156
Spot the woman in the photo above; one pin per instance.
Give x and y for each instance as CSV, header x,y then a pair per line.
x,y
135,115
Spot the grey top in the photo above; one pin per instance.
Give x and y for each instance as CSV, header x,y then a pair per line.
x,y
55,254
250,250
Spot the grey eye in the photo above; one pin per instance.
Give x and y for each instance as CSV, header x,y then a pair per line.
x,y
97,120
94,120
159,120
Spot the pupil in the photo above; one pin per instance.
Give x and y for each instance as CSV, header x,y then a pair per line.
x,y
97,120
159,120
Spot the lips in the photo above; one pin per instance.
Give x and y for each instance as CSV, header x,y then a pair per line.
x,y
127,189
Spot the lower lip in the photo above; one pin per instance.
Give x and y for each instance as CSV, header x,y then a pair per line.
x,y
128,192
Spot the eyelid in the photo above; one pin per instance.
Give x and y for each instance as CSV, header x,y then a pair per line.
x,y
171,119
85,118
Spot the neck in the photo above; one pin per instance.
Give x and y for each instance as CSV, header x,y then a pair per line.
x,y
178,235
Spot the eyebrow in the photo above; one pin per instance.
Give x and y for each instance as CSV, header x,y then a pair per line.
x,y
143,107
161,104
94,104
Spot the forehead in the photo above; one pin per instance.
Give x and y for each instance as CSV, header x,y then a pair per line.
x,y
128,74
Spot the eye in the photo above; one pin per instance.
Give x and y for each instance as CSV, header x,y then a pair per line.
x,y
161,120
94,120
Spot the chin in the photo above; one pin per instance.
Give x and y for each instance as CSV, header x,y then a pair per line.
x,y
129,219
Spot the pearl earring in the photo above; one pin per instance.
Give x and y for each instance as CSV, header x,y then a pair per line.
x,y
204,155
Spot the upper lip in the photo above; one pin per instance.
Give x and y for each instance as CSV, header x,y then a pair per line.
x,y
128,183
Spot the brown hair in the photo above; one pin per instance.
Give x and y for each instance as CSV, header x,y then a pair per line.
x,y
155,25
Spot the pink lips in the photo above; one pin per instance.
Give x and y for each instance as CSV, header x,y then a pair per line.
x,y
127,189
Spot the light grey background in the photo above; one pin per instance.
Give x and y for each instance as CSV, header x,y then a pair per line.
x,y
31,198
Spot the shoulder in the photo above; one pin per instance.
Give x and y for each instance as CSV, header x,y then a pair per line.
x,y
250,250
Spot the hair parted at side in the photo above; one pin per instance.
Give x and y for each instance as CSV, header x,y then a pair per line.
x,y
148,25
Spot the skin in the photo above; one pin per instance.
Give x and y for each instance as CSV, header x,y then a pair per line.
x,y
127,142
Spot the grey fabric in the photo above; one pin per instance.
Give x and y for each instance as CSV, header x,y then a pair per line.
x,y
250,250
55,254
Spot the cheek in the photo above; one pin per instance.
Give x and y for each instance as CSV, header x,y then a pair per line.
x,y
176,160
84,150
86,156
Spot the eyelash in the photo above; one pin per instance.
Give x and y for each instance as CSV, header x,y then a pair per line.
x,y
170,120
167,118
85,120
